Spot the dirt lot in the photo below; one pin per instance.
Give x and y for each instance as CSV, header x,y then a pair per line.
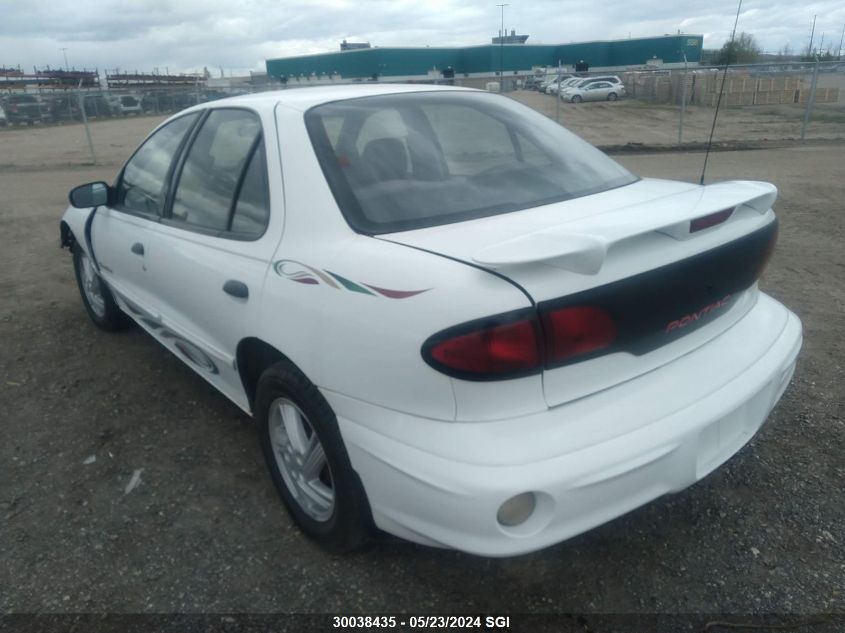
x,y
204,531
630,121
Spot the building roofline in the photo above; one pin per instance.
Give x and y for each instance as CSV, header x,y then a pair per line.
x,y
475,46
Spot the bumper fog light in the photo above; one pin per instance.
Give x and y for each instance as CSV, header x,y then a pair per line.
x,y
516,510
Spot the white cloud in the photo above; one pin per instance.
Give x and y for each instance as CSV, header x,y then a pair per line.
x,y
187,35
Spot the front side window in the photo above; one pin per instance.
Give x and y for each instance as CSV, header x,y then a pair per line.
x,y
212,171
400,162
142,186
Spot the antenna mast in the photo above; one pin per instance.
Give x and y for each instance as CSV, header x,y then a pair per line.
x,y
721,90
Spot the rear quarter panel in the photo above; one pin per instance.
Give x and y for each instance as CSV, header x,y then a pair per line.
x,y
335,302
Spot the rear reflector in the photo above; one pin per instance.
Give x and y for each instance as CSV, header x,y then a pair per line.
x,y
485,351
574,331
705,222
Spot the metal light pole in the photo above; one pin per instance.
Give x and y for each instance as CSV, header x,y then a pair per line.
x,y
85,121
812,34
811,99
64,52
502,49
683,103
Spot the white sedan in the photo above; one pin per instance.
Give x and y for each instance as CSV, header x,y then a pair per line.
x,y
451,318
594,91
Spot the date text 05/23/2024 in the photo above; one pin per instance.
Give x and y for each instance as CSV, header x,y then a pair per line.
x,y
490,622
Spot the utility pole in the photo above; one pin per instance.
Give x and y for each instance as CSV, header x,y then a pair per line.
x,y
841,37
811,100
812,33
64,52
502,49
683,102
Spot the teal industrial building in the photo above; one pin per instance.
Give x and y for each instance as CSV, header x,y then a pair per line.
x,y
408,64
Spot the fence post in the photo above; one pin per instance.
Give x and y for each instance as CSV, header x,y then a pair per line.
x,y
557,107
85,121
683,103
811,99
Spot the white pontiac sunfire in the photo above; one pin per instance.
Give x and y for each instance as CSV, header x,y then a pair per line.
x,y
452,319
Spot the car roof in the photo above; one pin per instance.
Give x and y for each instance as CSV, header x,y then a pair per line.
x,y
308,97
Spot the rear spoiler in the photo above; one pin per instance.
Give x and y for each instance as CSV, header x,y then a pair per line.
x,y
584,249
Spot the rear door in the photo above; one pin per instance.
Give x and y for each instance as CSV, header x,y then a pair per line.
x,y
213,247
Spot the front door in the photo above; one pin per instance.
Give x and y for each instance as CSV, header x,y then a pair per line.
x,y
120,234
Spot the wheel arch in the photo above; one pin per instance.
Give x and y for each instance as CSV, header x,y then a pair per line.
x,y
253,356
66,236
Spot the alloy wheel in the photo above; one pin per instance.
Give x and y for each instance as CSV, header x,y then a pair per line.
x,y
301,459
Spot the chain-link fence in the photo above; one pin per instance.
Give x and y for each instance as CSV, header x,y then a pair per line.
x,y
661,107
653,107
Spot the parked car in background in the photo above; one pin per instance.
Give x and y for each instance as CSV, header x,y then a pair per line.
x,y
169,100
546,82
26,110
613,79
64,106
554,86
532,82
585,81
3,121
96,105
213,95
451,318
125,104
595,91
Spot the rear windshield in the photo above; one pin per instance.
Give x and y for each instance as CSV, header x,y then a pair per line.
x,y
414,160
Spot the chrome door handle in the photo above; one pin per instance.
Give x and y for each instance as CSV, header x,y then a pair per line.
x,y
236,289
137,248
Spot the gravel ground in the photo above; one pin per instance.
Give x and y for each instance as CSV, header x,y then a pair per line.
x,y
204,531
628,121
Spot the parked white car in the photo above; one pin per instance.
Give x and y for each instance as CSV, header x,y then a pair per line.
x,y
552,78
595,91
553,87
125,104
450,317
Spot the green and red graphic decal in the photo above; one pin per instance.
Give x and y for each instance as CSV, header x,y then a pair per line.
x,y
304,274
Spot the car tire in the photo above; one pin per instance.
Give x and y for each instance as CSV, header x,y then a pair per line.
x,y
96,297
577,99
326,500
612,97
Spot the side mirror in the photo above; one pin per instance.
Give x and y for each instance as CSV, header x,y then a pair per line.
x,y
93,194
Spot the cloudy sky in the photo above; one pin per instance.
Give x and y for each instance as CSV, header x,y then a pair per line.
x,y
187,35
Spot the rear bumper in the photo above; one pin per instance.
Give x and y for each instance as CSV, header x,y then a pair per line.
x,y
588,461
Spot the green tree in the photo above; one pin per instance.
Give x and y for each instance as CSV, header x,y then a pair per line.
x,y
742,50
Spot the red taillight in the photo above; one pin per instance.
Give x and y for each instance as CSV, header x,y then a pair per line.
x,y
574,331
491,349
699,224
488,352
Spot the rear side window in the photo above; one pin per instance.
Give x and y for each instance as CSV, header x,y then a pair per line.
x,y
142,185
414,160
214,169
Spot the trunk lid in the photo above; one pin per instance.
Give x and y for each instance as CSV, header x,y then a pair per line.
x,y
633,252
